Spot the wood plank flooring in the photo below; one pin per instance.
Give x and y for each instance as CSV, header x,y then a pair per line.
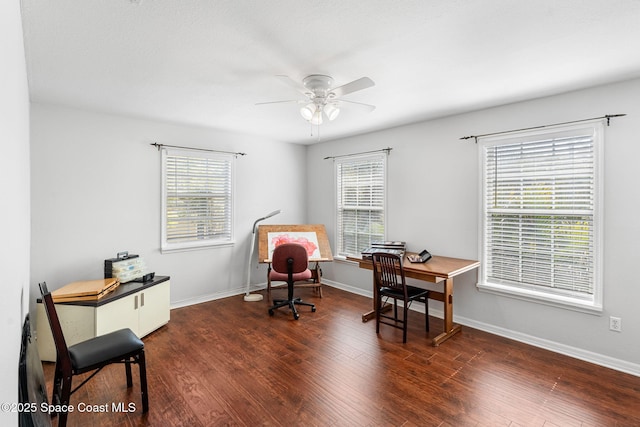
x,y
228,363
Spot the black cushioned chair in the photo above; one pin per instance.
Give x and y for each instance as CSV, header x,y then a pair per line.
x,y
390,283
290,262
122,346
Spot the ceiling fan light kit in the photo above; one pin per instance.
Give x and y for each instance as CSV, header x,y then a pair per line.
x,y
313,112
331,111
308,111
317,117
323,98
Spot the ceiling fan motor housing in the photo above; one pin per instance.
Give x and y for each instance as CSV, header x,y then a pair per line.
x,y
318,84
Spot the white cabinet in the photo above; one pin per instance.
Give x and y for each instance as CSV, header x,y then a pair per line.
x,y
153,309
143,312
141,307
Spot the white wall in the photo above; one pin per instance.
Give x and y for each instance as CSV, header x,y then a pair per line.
x,y
96,191
433,204
14,193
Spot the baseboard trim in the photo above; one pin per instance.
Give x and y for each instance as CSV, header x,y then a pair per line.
x,y
556,347
212,297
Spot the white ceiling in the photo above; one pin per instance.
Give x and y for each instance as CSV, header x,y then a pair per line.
x,y
207,62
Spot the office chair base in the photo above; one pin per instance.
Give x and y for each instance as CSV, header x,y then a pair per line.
x,y
292,305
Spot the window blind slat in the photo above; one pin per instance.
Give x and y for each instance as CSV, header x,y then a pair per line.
x,y
198,198
539,203
360,202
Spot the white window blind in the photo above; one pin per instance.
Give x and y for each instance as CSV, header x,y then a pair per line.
x,y
197,199
360,202
540,212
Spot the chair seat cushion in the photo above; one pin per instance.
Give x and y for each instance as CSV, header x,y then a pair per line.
x,y
104,347
283,277
412,291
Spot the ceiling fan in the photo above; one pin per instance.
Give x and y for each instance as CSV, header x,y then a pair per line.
x,y
321,98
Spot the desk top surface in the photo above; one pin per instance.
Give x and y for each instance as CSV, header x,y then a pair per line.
x,y
121,291
437,266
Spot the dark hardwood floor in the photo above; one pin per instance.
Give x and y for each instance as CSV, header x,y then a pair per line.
x,y
227,362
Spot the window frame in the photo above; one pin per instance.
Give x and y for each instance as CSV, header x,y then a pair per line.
x,y
168,247
339,231
569,300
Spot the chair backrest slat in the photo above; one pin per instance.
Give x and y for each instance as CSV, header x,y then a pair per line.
x,y
62,352
389,272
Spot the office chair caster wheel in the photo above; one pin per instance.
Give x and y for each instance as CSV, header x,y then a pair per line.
x,y
313,309
270,312
296,316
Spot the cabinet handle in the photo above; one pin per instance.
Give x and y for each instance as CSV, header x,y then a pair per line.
x,y
135,302
142,299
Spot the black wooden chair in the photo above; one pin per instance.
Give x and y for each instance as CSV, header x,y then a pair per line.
x,y
290,262
390,283
121,346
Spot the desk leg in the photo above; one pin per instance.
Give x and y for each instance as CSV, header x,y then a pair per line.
x,y
450,329
372,314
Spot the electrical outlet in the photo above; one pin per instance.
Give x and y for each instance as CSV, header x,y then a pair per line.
x,y
615,324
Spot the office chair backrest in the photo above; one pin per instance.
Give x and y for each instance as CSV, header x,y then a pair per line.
x,y
286,251
389,271
62,351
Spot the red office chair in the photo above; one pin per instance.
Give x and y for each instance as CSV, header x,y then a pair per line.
x,y
390,283
290,263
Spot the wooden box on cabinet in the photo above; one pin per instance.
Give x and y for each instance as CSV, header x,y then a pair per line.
x,y
141,307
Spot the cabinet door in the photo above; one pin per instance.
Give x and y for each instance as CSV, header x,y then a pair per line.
x,y
154,308
119,314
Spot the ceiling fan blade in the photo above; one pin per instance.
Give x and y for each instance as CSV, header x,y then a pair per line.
x,y
368,107
278,102
361,83
292,83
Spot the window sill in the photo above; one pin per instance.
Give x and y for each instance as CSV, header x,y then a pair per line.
x,y
191,247
343,259
554,300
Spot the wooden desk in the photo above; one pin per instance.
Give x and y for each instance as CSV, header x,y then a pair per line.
x,y
437,269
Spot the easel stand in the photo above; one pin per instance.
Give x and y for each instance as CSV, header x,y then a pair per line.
x,y
314,282
323,245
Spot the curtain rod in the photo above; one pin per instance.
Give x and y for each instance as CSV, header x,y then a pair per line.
x,y
387,150
608,117
159,146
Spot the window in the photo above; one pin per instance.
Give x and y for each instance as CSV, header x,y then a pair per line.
x,y
541,215
361,182
197,202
